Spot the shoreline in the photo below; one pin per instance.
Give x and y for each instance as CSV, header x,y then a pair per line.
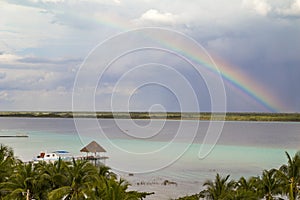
x,y
203,116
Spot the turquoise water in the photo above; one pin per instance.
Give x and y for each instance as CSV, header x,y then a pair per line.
x,y
152,153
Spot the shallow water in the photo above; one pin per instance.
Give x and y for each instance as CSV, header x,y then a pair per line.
x,y
156,151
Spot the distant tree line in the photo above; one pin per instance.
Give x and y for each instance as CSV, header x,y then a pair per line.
x,y
162,115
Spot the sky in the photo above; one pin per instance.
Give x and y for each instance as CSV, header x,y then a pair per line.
x,y
46,49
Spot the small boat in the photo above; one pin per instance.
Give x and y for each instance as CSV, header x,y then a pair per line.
x,y
53,156
48,157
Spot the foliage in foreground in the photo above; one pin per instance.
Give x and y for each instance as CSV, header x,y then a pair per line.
x,y
273,184
74,180
78,180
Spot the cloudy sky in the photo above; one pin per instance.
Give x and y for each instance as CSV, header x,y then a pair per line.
x,y
43,44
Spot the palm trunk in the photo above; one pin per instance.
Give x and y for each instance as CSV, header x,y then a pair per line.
x,y
291,196
291,192
27,195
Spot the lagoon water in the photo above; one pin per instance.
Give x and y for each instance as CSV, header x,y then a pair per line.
x,y
157,150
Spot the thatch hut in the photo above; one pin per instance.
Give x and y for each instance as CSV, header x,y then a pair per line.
x,y
94,147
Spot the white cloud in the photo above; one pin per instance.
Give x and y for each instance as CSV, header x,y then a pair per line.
x,y
293,10
155,16
8,58
28,29
259,6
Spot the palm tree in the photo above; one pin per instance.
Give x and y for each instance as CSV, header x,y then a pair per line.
x,y
290,175
104,175
109,187
105,172
219,189
115,190
6,162
250,184
24,179
247,189
81,180
53,173
82,176
270,184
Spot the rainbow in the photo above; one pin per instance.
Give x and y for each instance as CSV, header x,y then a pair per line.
x,y
241,83
249,87
245,85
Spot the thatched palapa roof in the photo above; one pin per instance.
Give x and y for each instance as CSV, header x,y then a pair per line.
x,y
93,147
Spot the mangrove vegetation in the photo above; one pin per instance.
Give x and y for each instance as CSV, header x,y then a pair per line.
x,y
160,115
